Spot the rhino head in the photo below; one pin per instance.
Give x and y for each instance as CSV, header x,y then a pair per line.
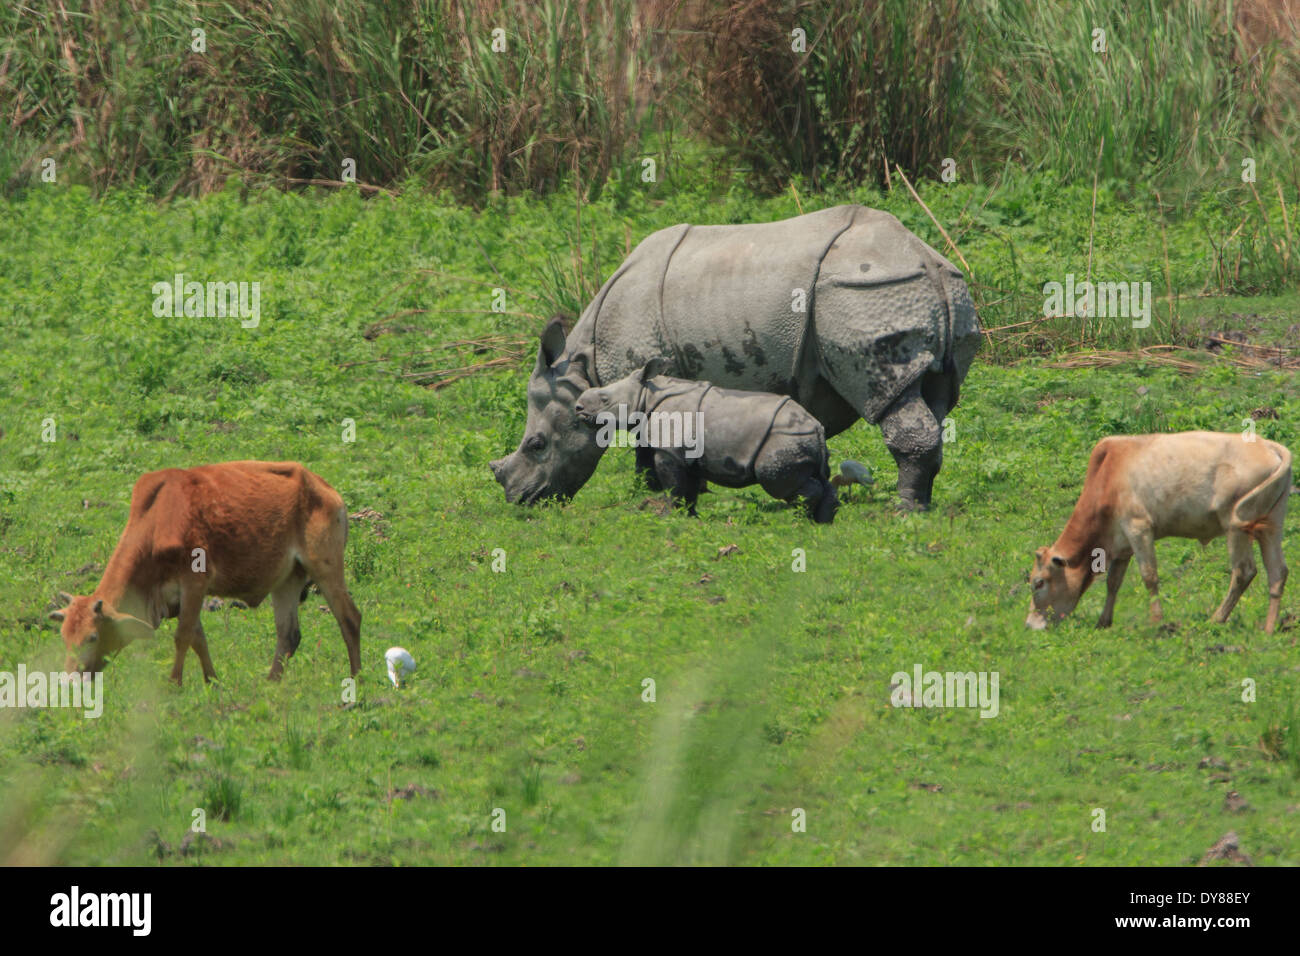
x,y
559,451
604,400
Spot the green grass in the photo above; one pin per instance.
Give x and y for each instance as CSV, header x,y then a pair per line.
x,y
1141,109
771,686
127,94
123,93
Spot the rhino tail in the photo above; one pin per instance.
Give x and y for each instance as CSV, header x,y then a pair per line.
x,y
947,362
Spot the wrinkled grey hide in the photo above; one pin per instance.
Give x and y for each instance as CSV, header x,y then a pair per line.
x,y
886,333
730,437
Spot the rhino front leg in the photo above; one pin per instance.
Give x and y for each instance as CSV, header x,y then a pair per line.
x,y
645,467
680,480
913,436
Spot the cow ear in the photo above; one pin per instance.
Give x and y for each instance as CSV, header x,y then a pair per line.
x,y
552,343
132,628
57,616
127,625
1058,561
65,597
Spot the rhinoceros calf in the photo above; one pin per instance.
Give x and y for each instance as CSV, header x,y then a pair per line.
x,y
843,310
691,432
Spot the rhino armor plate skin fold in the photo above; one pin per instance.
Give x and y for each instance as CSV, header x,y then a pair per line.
x,y
887,333
743,438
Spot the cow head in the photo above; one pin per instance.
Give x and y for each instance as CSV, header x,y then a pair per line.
x,y
94,629
1055,587
558,452
606,399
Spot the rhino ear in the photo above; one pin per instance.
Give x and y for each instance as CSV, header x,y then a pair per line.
x,y
580,363
656,366
553,337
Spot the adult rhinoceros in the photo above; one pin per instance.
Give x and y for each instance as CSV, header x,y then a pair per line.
x,y
843,309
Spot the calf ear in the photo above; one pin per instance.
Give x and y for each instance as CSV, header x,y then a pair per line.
x,y
580,366
1058,561
57,616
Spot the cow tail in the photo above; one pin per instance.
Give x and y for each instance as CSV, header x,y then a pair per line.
x,y
1253,510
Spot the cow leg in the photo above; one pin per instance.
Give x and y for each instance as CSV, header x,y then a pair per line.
x,y
913,436
1242,563
187,627
347,614
1144,549
1114,578
1270,549
285,600
326,541
200,646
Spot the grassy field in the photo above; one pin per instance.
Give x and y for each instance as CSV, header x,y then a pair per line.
x,y
772,686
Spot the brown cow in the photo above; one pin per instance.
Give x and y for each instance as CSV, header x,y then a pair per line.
x,y
243,530
1141,488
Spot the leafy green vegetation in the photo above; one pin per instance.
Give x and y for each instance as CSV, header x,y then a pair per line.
x,y
771,686
486,96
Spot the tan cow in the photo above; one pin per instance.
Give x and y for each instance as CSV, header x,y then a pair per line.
x,y
243,530
1141,488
